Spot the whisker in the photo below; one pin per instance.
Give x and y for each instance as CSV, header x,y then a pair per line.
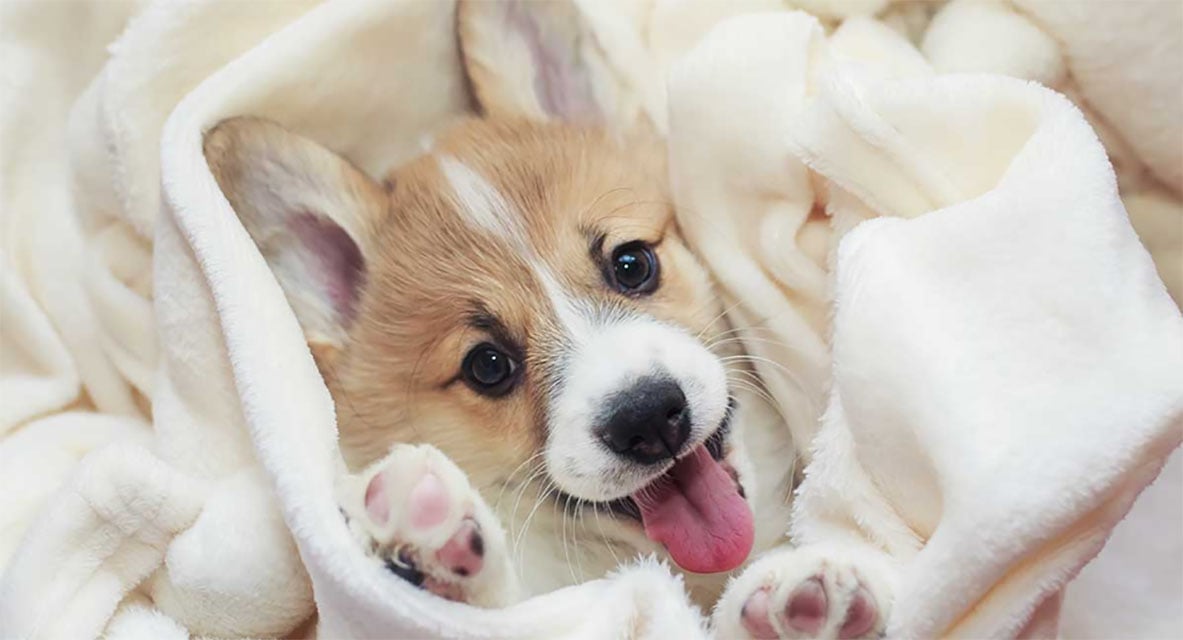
x,y
603,536
566,549
789,374
520,533
760,393
509,479
722,314
749,333
577,519
545,496
755,340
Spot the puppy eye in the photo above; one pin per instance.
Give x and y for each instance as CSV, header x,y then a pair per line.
x,y
489,370
634,268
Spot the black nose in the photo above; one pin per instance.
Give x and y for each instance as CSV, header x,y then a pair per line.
x,y
647,423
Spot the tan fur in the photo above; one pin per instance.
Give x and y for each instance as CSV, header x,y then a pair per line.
x,y
266,173
500,63
434,258
439,245
398,378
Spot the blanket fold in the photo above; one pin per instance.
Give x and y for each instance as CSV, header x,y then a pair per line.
x,y
988,422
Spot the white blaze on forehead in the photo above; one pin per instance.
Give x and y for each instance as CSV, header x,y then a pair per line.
x,y
577,317
482,205
488,210
603,353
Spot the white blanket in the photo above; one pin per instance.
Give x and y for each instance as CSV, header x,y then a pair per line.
x,y
1005,360
985,348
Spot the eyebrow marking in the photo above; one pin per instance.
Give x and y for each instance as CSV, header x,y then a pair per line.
x,y
485,208
482,205
482,319
595,243
595,250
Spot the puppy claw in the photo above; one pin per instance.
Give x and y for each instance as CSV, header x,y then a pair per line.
x,y
403,567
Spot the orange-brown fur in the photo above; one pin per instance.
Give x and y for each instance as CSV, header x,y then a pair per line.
x,y
392,357
394,371
397,377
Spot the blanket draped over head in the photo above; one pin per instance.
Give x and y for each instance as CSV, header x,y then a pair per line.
x,y
927,248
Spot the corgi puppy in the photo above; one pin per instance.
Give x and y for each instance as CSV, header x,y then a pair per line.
x,y
533,375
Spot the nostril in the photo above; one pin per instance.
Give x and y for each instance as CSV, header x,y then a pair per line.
x,y
675,414
676,430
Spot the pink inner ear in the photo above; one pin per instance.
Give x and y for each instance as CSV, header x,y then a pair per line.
x,y
377,504
334,257
561,81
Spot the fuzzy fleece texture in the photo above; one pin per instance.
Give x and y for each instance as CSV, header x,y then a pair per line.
x,y
1005,371
1004,364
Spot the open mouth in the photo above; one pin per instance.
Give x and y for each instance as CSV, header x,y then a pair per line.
x,y
715,445
696,509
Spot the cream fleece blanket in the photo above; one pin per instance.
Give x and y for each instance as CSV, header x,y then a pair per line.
x,y
1004,379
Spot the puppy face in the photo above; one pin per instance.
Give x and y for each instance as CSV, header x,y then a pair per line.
x,y
519,297
528,289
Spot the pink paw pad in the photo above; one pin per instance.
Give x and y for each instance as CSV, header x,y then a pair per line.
x,y
377,502
861,616
806,612
754,616
428,503
807,606
464,553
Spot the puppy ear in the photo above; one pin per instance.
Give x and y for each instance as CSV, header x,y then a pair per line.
x,y
535,59
310,212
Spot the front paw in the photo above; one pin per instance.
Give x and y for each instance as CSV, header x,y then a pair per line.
x,y
415,512
805,593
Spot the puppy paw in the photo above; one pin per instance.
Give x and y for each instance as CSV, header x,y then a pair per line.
x,y
804,593
416,513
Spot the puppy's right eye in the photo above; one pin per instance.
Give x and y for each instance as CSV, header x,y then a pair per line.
x,y
489,370
634,268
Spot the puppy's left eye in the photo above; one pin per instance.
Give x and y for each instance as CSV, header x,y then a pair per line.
x,y
489,370
634,268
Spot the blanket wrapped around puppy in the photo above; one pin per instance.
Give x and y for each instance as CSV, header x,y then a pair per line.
x,y
937,269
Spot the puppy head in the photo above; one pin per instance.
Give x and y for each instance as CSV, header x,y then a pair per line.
x,y
519,298
523,278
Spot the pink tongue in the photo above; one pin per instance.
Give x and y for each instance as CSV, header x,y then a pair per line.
x,y
696,511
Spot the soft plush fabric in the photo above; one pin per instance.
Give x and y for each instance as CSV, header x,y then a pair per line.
x,y
1003,351
1118,60
1005,359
